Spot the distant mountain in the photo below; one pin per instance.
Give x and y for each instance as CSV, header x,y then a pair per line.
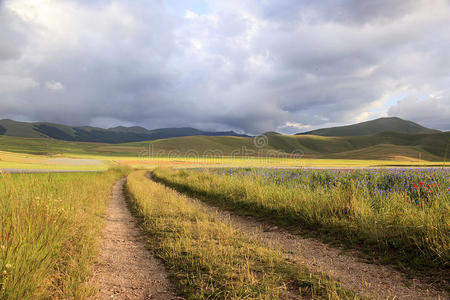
x,y
114,135
373,127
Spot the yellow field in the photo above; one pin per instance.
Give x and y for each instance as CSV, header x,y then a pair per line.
x,y
10,160
82,162
188,162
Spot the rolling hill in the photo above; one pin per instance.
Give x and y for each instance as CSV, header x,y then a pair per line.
x,y
114,135
385,145
387,152
382,146
372,127
429,145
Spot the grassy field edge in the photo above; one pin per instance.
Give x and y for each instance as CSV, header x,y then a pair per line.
x,y
50,225
333,233
207,258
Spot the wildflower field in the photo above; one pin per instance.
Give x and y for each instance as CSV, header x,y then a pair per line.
x,y
400,216
49,225
208,258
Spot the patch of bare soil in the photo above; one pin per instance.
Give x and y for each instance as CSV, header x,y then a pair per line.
x,y
126,269
370,280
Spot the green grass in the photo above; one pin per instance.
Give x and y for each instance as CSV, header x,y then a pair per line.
x,y
45,146
388,144
414,238
14,160
51,147
382,146
210,259
199,145
21,129
359,151
388,151
49,224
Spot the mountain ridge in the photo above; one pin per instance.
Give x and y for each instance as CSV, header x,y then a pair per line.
x,y
123,134
114,135
386,124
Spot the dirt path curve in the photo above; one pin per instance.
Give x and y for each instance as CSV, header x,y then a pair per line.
x,y
125,268
374,281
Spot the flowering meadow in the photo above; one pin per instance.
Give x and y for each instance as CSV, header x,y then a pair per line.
x,y
401,216
418,186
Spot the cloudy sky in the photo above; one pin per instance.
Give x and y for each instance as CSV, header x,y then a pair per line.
x,y
249,66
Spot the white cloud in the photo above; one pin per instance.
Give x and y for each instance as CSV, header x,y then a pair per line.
x,y
296,125
188,14
54,86
107,122
364,116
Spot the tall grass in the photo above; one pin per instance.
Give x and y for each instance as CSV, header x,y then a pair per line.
x,y
209,259
49,224
392,228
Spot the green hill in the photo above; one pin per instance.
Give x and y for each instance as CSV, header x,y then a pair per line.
x,y
373,127
45,146
191,142
114,135
388,152
19,129
386,145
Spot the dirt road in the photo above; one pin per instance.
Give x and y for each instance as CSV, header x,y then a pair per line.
x,y
125,268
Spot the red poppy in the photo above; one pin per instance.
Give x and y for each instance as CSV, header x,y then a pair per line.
x,y
421,183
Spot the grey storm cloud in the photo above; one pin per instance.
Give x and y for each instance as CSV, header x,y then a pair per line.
x,y
250,66
433,111
354,12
